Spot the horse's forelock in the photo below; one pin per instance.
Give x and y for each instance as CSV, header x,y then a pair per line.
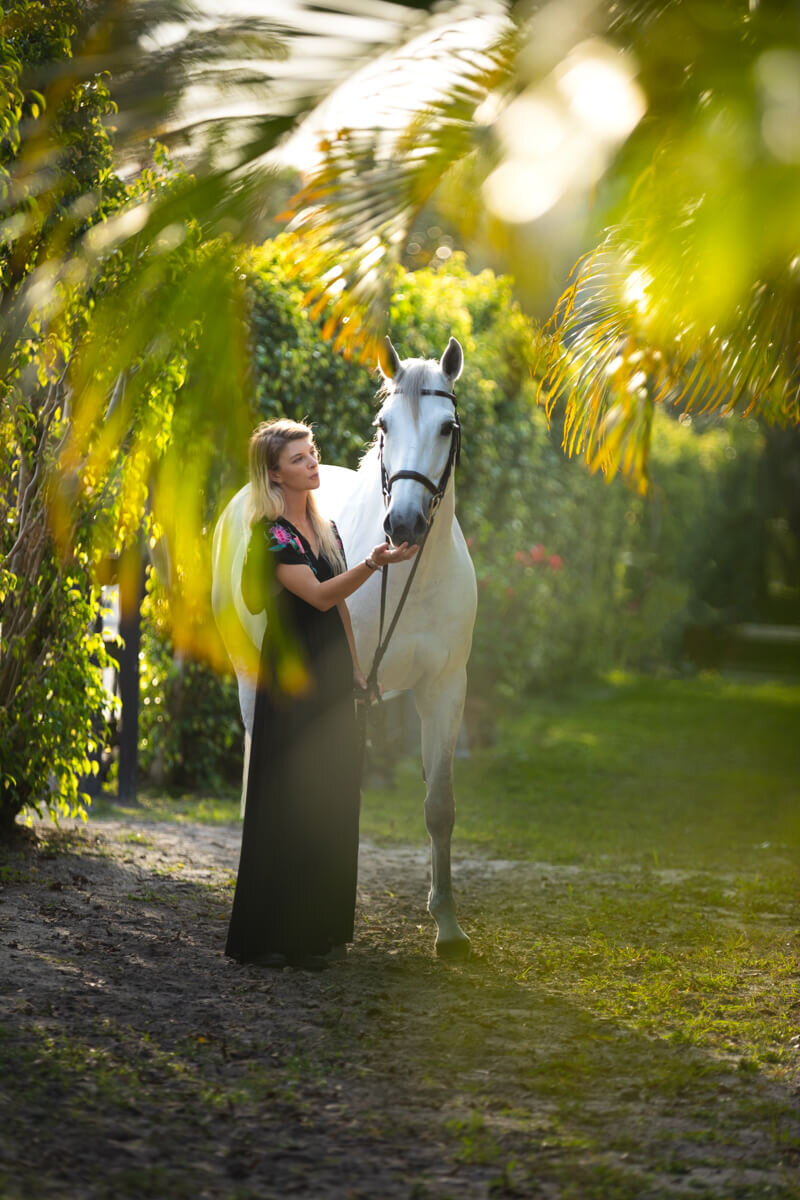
x,y
416,373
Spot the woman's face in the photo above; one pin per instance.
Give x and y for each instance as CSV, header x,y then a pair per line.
x,y
298,466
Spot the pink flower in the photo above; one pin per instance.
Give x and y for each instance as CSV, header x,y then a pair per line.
x,y
520,556
470,542
537,553
556,562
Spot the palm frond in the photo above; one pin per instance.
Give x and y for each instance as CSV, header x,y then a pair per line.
x,y
156,53
355,211
622,344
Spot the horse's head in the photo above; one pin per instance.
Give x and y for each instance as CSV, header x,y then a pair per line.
x,y
419,431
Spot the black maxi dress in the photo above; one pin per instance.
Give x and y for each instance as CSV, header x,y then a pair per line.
x,y
296,887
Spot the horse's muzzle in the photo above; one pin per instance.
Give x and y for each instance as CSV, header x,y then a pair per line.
x,y
405,527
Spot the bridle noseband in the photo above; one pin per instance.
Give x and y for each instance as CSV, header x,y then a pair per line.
x,y
453,459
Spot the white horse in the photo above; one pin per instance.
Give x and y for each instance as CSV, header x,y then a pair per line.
x,y
392,494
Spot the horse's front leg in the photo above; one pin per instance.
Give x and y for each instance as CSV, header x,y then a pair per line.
x,y
440,705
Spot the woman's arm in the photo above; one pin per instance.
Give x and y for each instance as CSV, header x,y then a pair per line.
x,y
358,675
302,582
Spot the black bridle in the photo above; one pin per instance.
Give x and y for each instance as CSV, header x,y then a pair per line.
x,y
438,490
453,459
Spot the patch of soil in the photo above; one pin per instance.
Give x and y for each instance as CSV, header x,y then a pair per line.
x,y
139,1061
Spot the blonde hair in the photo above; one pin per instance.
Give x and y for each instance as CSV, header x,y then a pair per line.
x,y
266,498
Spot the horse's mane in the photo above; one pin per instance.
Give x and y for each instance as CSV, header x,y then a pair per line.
x,y
370,453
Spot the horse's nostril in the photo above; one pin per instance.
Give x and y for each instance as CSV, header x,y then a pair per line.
x,y
420,525
398,532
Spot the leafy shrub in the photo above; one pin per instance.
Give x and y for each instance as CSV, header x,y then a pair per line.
x,y
296,373
616,577
51,695
629,573
52,732
104,378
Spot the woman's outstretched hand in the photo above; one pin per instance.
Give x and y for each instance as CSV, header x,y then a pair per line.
x,y
385,554
359,679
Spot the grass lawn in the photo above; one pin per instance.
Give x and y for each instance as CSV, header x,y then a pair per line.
x,y
677,804
670,773
155,806
688,774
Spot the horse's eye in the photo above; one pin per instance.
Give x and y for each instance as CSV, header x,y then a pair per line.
x,y
447,428
380,423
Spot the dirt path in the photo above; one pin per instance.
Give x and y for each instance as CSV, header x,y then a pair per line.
x,y
139,1062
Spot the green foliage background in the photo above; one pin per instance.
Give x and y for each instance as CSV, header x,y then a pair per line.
x,y
575,575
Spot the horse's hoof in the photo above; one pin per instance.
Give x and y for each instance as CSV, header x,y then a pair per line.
x,y
454,951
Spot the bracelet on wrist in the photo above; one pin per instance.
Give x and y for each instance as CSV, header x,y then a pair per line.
x,y
369,564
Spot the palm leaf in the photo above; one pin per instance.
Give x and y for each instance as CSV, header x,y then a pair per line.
x,y
615,354
357,208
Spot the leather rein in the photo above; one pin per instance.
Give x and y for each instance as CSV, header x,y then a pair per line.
x,y
438,490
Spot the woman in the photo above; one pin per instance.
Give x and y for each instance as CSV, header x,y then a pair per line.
x,y
296,887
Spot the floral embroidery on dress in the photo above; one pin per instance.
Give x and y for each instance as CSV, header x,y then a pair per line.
x,y
283,539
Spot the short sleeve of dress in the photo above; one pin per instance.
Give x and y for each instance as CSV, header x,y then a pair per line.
x,y
269,545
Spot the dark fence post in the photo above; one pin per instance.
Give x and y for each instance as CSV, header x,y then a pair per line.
x,y
131,593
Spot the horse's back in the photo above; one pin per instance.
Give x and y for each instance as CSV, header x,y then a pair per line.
x,y
242,631
228,541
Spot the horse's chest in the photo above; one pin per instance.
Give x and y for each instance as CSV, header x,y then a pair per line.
x,y
414,658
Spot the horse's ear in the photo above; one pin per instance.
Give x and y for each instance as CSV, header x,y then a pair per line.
x,y
452,361
388,359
